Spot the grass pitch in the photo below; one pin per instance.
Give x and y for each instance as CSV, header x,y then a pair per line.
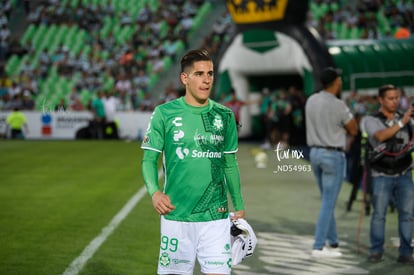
x,y
57,196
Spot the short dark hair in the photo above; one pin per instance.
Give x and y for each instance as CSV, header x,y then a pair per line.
x,y
328,75
194,56
385,88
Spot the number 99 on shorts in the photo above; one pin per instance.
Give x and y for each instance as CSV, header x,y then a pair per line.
x,y
291,168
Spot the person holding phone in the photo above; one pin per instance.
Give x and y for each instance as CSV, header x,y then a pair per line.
x,y
390,137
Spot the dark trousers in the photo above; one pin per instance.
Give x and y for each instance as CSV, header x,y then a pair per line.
x,y
17,134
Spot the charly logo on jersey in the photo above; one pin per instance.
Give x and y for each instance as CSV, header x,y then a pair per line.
x,y
177,121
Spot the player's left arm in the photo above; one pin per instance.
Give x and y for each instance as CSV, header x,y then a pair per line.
x,y
232,174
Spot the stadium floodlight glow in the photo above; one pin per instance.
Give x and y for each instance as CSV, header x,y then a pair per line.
x,y
334,50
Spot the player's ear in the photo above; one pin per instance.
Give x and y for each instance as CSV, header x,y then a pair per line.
x,y
184,78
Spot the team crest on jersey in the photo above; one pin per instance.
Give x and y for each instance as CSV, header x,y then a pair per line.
x,y
165,259
218,122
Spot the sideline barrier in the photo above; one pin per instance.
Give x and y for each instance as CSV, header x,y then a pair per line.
x,y
65,124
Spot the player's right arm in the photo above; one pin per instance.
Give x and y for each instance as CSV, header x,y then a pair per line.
x,y
153,145
149,166
161,202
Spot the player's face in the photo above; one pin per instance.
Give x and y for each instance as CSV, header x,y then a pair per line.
x,y
198,81
390,101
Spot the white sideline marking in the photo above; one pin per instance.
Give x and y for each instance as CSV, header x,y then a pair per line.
x,y
77,264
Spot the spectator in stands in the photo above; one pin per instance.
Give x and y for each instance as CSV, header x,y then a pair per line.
x,y
141,81
406,8
66,65
146,104
6,6
402,32
5,80
61,106
4,42
123,85
27,101
73,95
186,24
157,64
144,15
89,17
124,104
15,89
76,105
127,62
126,18
169,47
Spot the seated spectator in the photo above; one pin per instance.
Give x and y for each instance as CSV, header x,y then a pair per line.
x,y
4,42
124,104
158,64
141,81
15,89
402,32
76,105
146,104
169,47
123,85
126,18
144,15
27,101
15,102
61,106
29,84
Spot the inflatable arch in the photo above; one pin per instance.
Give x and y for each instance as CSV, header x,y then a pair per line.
x,y
273,48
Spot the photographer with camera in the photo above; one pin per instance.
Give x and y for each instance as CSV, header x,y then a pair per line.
x,y
390,137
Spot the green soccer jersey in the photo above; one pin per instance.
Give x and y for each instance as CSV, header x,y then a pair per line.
x,y
193,141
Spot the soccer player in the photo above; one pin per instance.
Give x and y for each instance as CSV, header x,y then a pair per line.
x,y
198,139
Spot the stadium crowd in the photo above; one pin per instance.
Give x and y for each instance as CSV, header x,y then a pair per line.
x,y
130,66
362,19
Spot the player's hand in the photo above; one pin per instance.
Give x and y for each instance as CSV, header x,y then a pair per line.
x,y
162,203
238,215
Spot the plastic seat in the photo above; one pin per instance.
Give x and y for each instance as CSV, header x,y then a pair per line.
x,y
12,64
28,34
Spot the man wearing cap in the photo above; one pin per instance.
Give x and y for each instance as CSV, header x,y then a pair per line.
x,y
328,121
